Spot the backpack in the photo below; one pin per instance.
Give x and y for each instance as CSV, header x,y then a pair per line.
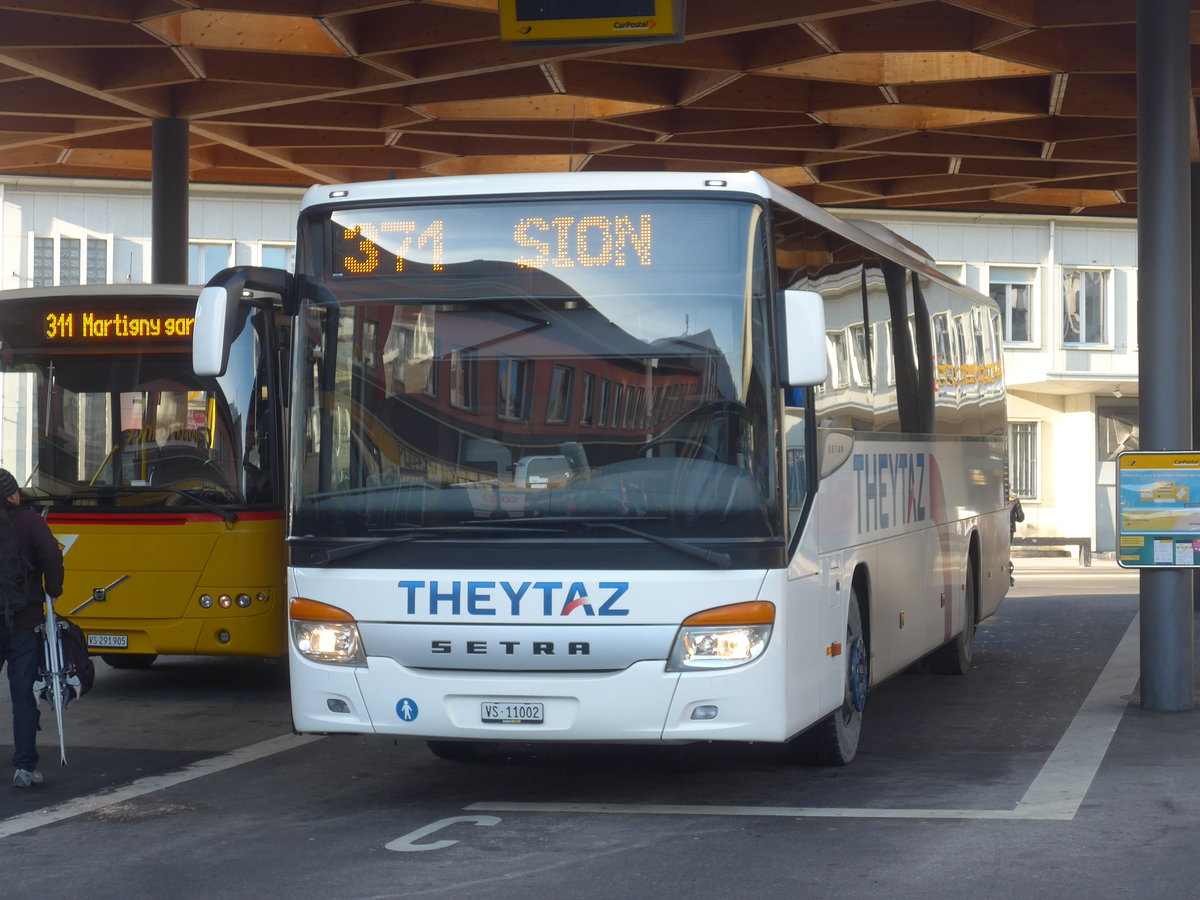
x,y
75,655
78,667
17,589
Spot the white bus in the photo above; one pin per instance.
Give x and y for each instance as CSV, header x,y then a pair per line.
x,y
636,457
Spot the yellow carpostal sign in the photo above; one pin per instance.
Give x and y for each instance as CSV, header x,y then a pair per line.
x,y
607,21
1158,502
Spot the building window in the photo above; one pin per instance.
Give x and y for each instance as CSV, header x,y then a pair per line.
x,y
839,360
1012,288
97,261
60,261
512,388
860,356
588,400
562,384
1023,458
605,399
68,261
1085,304
43,262
464,378
206,260
635,400
278,256
1118,429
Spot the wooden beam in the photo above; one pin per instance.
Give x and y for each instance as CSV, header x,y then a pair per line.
x,y
35,31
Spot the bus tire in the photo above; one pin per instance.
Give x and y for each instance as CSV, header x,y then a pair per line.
x,y
129,660
834,740
954,658
463,751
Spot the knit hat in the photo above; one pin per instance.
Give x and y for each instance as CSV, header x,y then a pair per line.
x,y
8,484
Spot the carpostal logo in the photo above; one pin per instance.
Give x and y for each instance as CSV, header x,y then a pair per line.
x,y
489,598
634,24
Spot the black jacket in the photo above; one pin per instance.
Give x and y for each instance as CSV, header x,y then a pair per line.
x,y
40,548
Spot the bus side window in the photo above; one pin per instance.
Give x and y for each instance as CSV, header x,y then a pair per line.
x,y
796,462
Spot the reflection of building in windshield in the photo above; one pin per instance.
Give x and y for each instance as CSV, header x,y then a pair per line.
x,y
493,389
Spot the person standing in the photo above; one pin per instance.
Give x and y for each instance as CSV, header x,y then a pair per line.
x,y
31,566
1015,514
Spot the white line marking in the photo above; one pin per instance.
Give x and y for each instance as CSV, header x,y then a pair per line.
x,y
408,843
1064,780
1056,793
151,783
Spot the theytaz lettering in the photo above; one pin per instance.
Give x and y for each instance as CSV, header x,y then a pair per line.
x,y
490,598
892,490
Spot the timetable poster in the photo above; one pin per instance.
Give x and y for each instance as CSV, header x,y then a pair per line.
x,y
1158,518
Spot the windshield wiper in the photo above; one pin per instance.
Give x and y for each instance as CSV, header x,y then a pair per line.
x,y
362,545
227,514
100,494
717,558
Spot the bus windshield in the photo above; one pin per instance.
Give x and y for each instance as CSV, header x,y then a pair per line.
x,y
563,360
111,414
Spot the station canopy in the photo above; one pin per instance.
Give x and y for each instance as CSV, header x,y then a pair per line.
x,y
989,105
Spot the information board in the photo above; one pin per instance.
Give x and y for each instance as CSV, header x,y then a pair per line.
x,y
592,21
1158,509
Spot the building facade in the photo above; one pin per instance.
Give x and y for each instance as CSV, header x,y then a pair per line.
x,y
83,231
1067,288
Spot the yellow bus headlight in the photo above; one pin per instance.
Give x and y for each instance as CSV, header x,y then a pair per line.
x,y
325,634
723,637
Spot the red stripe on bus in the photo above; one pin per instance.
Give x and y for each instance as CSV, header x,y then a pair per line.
x,y
100,518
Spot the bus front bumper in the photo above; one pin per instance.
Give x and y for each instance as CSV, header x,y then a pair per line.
x,y
639,704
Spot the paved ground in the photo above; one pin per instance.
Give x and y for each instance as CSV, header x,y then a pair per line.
x,y
1035,775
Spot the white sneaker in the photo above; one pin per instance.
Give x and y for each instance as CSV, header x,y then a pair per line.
x,y
23,778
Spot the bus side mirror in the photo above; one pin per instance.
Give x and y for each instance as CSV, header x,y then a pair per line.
x,y
804,359
217,308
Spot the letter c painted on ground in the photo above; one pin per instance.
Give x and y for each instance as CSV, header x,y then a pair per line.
x,y
407,843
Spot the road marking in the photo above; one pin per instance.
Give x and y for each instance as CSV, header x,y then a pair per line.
x,y
1060,786
1056,793
151,783
408,843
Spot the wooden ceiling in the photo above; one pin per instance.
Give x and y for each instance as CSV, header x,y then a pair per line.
x,y
991,105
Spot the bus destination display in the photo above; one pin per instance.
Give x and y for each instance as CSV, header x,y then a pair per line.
x,y
379,246
83,326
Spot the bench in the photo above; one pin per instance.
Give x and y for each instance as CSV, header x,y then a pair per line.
x,y
1083,543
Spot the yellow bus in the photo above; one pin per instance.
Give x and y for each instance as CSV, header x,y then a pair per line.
x,y
164,488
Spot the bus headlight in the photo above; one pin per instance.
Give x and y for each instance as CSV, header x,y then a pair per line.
x,y
325,634
723,637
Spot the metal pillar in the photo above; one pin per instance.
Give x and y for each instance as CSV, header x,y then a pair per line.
x,y
1164,322
169,202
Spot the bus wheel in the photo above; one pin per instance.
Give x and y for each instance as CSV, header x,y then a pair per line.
x,y
954,658
463,751
834,740
129,660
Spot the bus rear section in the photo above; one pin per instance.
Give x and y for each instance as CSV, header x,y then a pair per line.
x,y
164,487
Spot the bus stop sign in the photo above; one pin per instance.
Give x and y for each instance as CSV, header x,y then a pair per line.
x,y
1158,518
